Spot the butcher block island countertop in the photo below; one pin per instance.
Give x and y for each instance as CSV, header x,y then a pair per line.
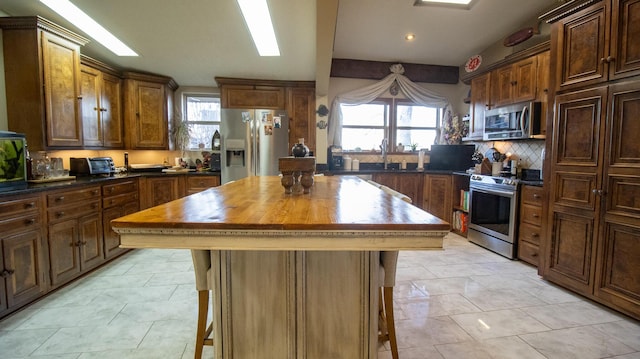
x,y
340,213
292,275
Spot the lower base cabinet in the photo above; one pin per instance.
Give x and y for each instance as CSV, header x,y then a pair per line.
x,y
530,228
437,196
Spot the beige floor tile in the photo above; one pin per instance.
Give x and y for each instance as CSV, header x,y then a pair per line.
x,y
573,314
499,323
497,348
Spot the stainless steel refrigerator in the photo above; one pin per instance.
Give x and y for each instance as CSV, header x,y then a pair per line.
x,y
252,141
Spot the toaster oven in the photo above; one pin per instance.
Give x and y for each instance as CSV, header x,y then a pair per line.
x,y
91,166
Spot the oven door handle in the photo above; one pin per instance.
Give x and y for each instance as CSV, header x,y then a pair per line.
x,y
493,191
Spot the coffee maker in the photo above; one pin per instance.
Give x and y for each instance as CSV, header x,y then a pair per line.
x,y
334,157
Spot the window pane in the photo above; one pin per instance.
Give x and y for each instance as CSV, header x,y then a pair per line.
x,y
363,115
201,134
416,116
202,109
424,138
366,139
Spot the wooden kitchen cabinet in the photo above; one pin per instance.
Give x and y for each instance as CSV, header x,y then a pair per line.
x,y
302,115
158,190
75,238
148,110
249,96
530,224
593,244
42,77
480,102
409,184
514,83
101,91
22,264
199,183
119,198
437,195
596,44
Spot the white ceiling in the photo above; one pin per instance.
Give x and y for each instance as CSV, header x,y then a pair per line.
x,y
195,40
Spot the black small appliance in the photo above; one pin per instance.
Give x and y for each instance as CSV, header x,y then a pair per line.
x,y
334,157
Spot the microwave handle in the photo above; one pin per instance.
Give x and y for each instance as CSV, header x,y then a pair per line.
x,y
522,117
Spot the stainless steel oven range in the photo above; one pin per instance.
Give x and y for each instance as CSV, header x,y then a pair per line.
x,y
493,212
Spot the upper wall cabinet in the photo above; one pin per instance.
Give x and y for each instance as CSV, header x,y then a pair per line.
x,y
101,91
597,44
42,76
514,83
148,109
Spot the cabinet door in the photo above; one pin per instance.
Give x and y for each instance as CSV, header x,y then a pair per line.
x,y
579,47
111,111
64,257
250,96
90,241
524,79
542,89
197,184
502,86
480,102
91,121
576,167
111,238
625,32
411,185
619,250
159,190
22,258
437,196
148,121
302,119
61,61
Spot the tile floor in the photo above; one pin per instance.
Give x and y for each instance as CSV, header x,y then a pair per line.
x,y
463,302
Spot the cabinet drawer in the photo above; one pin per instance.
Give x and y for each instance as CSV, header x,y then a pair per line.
x,y
529,253
530,233
17,207
19,223
531,195
199,183
120,200
65,197
63,213
531,214
120,188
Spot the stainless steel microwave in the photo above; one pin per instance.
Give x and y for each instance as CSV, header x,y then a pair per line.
x,y
512,122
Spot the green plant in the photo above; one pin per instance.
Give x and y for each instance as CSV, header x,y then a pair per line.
x,y
414,147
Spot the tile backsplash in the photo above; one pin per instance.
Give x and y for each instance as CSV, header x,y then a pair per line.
x,y
528,152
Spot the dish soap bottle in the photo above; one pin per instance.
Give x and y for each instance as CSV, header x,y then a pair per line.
x,y
215,141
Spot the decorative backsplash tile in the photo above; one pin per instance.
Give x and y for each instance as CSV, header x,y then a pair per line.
x,y
529,153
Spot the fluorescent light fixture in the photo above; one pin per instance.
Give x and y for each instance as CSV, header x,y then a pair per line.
x,y
258,19
85,23
464,4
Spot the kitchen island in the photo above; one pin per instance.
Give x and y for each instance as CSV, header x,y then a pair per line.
x,y
294,276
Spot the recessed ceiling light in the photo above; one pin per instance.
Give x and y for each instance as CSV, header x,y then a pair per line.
x,y
90,26
464,4
258,19
410,37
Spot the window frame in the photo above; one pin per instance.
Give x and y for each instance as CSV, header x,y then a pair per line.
x,y
391,127
188,122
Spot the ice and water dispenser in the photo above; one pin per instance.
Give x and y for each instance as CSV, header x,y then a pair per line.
x,y
235,153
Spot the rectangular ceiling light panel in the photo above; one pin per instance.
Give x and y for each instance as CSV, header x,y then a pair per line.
x,y
464,4
85,23
258,19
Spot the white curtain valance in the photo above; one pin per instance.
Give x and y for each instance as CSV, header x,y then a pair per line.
x,y
369,93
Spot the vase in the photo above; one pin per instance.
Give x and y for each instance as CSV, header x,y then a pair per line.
x,y
300,149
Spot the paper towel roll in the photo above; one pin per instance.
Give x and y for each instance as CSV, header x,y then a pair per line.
x,y
420,160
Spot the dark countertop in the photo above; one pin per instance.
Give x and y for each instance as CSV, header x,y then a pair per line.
x,y
91,180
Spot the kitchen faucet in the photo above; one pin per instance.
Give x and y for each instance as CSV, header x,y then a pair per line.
x,y
384,148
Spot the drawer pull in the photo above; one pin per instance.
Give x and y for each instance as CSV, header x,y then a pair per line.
x,y
535,215
535,235
59,214
534,254
29,205
111,189
60,199
7,272
95,192
536,196
30,221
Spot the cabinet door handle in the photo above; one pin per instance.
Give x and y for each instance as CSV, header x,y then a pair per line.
x,y
536,196
535,235
7,272
598,192
96,109
535,215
